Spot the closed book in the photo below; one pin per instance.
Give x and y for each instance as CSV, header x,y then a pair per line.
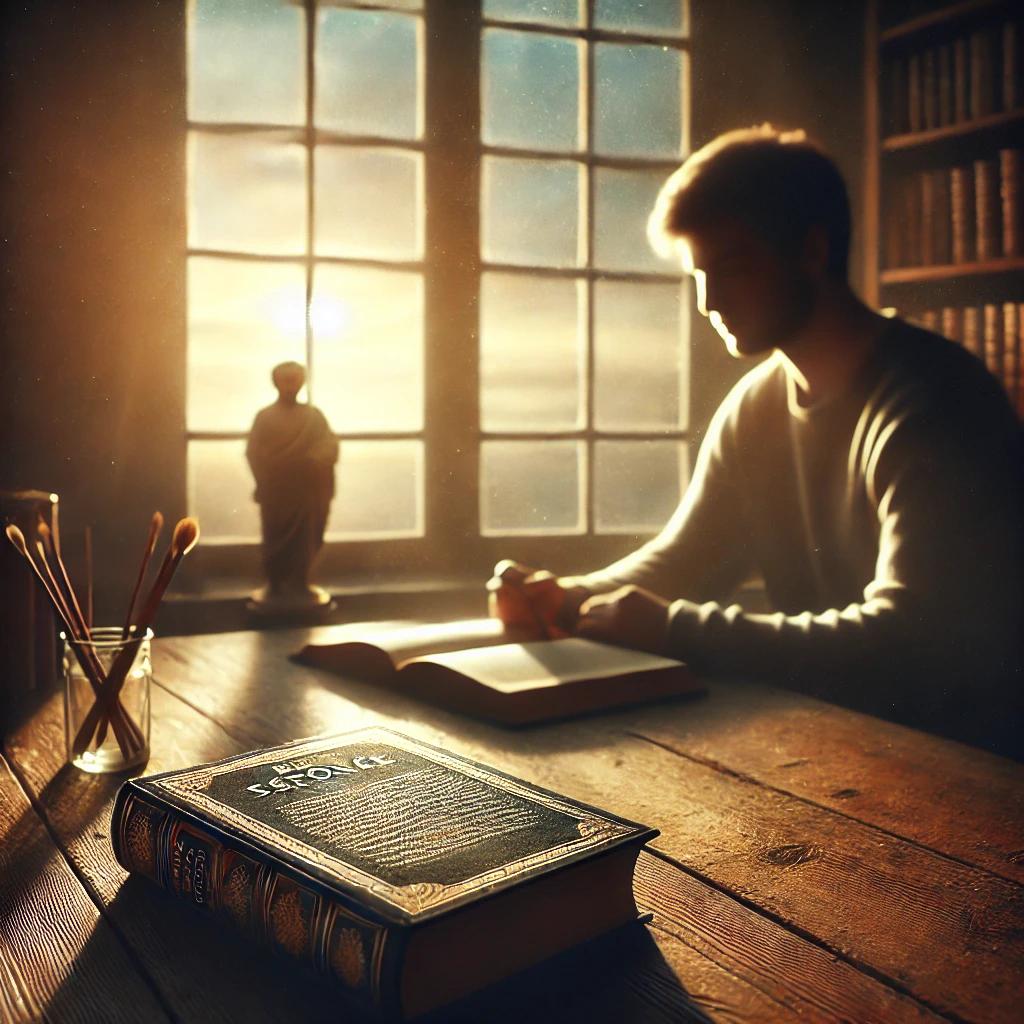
x,y
1010,181
896,106
915,103
472,667
1011,65
930,88
942,217
407,874
929,319
912,255
951,323
961,81
988,217
961,197
926,225
1011,349
972,330
992,338
983,73
945,73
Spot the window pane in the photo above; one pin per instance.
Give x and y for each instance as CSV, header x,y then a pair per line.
x,y
531,355
623,201
659,16
247,62
530,211
540,12
530,487
368,348
637,100
367,65
530,90
637,484
640,359
220,489
368,203
247,193
243,319
379,490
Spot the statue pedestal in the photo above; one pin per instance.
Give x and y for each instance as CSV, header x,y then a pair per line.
x,y
291,605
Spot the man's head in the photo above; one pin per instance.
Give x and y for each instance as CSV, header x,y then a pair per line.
x,y
288,378
762,220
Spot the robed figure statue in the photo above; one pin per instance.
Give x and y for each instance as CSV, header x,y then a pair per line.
x,y
292,454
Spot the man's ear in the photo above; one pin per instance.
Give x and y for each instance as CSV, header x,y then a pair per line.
x,y
814,255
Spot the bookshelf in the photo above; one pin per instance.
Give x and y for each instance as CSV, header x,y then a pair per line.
x,y
944,173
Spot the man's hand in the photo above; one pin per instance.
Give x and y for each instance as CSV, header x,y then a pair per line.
x,y
630,617
535,601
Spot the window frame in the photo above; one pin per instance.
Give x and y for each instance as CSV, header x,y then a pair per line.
x,y
452,265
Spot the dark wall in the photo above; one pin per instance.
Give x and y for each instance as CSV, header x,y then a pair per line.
x,y
93,315
93,226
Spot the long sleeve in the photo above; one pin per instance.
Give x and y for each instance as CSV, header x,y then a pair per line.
x,y
945,603
702,551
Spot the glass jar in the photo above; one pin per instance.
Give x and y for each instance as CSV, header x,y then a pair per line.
x,y
100,738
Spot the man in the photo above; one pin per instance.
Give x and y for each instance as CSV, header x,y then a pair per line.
x,y
292,453
868,471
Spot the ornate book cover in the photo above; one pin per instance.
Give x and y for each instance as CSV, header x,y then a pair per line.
x,y
335,848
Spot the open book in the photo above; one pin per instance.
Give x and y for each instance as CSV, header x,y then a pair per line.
x,y
476,667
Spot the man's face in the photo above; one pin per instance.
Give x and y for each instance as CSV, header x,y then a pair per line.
x,y
755,297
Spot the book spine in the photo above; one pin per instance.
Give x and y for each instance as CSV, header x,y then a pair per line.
x,y
992,339
1010,201
945,73
926,226
258,898
963,215
930,319
951,323
1011,350
942,220
896,112
1019,397
1011,66
915,106
982,73
930,88
961,81
972,330
987,218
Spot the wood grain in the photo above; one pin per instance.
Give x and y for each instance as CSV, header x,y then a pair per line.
x,y
850,886
248,700
59,959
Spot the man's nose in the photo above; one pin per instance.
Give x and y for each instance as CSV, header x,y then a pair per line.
x,y
700,280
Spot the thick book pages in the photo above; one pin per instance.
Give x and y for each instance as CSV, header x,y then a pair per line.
x,y
471,667
408,874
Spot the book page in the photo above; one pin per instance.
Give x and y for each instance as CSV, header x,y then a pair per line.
x,y
510,668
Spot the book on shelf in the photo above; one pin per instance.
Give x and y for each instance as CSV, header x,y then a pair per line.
x,y
407,874
476,667
992,338
964,217
983,78
1011,66
961,81
987,241
1010,201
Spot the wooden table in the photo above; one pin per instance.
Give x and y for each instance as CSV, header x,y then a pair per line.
x,y
813,863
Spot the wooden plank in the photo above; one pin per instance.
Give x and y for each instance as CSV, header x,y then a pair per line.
x,y
59,959
956,800
786,856
677,982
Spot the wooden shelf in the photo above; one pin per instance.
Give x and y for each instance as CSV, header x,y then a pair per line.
x,y
954,12
948,271
912,140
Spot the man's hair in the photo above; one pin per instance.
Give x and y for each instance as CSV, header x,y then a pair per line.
x,y
779,184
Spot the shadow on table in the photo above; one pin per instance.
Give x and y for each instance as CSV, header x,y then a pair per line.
x,y
202,970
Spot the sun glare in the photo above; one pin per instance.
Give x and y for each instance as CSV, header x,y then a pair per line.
x,y
328,315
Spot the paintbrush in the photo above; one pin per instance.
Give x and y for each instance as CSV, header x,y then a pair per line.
x,y
155,526
184,538
17,538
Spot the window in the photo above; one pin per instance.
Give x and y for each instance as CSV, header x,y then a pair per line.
x,y
451,238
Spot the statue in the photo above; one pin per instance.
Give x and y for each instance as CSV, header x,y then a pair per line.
x,y
292,453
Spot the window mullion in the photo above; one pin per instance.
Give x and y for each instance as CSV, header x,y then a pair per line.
x,y
452,279
588,145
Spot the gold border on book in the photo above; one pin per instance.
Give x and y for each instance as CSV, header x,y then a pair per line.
x,y
191,787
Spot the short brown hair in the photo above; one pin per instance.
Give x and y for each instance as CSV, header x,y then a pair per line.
x,y
779,184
